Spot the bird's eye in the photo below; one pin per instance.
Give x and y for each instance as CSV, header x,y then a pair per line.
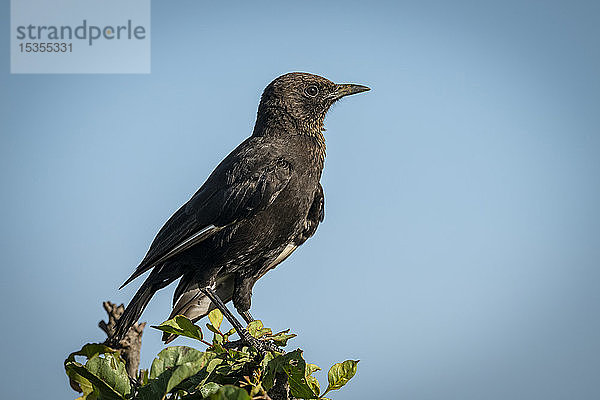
x,y
311,91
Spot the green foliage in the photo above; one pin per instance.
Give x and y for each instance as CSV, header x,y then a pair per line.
x,y
102,377
182,326
340,373
219,372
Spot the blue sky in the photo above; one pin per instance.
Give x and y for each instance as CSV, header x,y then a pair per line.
x,y
459,256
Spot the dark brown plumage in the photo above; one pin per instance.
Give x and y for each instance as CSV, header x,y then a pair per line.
x,y
260,203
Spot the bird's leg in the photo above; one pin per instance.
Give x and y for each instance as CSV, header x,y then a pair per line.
x,y
209,292
247,316
260,345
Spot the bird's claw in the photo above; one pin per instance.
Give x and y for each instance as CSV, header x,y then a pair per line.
x,y
263,346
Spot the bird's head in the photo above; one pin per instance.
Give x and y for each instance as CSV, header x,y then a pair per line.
x,y
299,101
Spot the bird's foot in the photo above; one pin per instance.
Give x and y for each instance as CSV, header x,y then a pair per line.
x,y
263,346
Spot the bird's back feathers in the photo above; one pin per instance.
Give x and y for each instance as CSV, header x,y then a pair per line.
x,y
238,188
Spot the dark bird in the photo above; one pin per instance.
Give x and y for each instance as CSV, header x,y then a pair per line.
x,y
260,203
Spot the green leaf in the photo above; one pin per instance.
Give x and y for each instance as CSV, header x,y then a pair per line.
x,y
88,382
78,382
180,325
111,369
267,359
172,357
230,332
218,348
215,317
214,363
89,350
311,380
264,332
339,374
311,368
209,389
213,329
256,328
230,392
281,338
105,374
314,385
180,363
173,366
294,366
77,372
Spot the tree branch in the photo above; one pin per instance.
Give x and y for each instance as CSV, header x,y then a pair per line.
x,y
131,344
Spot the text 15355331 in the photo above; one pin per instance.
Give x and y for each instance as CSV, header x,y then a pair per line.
x,y
46,47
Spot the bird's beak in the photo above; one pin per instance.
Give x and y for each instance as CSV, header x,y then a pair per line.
x,y
346,89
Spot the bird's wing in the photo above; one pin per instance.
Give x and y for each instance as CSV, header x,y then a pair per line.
x,y
254,192
315,216
235,191
317,209
180,232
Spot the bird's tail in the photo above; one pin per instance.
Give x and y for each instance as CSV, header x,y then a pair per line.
x,y
133,311
192,303
138,303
